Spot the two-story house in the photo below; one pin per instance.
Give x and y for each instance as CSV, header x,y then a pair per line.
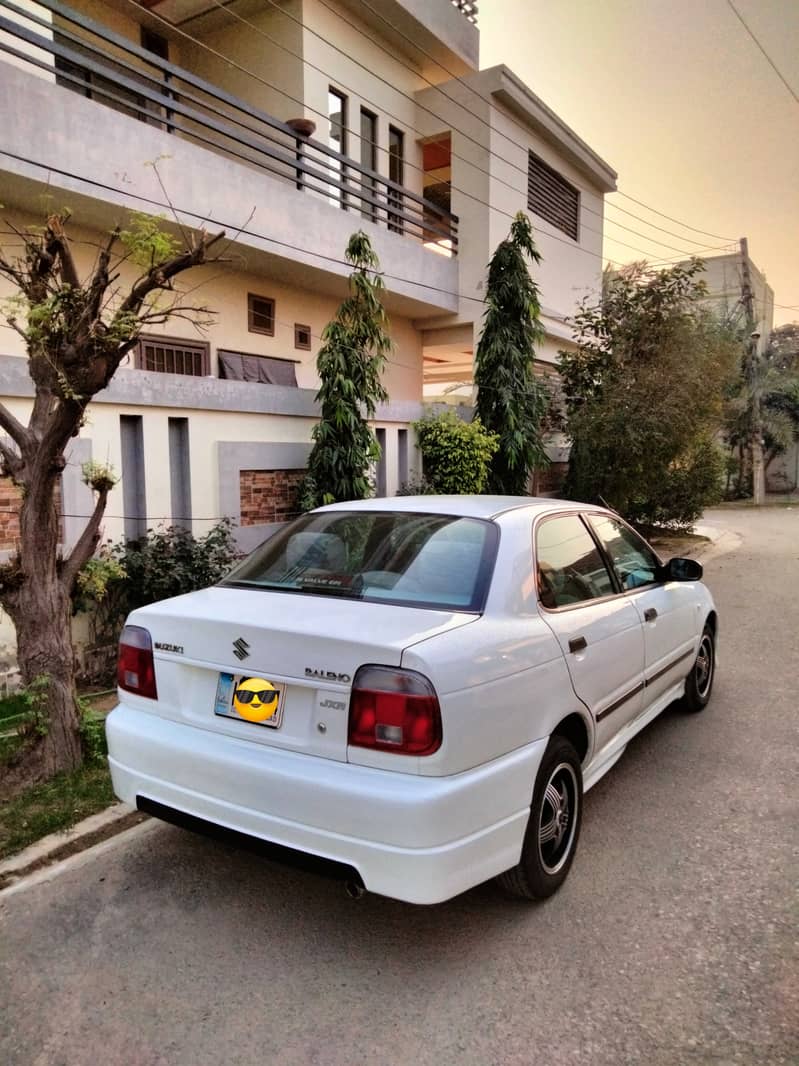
x,y
290,124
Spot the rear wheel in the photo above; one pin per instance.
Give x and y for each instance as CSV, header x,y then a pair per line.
x,y
699,683
554,826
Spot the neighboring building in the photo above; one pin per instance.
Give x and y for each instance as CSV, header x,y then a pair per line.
x,y
408,141
724,277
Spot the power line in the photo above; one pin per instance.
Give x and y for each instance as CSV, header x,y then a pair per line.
x,y
471,88
327,74
763,51
415,102
647,254
240,229
519,191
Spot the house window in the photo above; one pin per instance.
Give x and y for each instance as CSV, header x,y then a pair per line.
x,y
396,172
302,337
260,315
552,197
168,355
242,366
369,161
337,140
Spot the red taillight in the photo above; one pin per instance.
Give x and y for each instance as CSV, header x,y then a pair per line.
x,y
394,710
135,666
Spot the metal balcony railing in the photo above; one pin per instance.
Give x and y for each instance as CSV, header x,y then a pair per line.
x,y
468,7
86,57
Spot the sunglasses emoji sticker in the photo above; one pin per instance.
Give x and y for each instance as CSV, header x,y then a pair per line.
x,y
255,699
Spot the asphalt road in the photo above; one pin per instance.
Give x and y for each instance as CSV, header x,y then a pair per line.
x,y
673,941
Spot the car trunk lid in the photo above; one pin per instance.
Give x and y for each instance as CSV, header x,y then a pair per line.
x,y
307,647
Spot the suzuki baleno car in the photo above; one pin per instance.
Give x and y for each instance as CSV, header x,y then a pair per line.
x,y
416,690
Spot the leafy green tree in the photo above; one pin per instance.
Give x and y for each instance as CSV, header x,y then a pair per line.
x,y
644,394
457,454
350,364
510,401
764,401
76,330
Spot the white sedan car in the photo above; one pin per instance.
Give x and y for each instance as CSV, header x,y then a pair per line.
x,y
413,692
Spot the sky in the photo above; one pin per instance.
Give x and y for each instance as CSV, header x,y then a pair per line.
x,y
678,99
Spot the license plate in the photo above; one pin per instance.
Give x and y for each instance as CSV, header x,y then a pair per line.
x,y
249,699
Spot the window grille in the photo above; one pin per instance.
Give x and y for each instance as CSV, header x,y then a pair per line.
x,y
551,197
167,355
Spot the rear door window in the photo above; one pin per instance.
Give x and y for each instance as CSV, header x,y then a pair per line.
x,y
570,568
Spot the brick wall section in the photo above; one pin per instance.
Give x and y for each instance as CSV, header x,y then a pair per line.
x,y
268,495
10,496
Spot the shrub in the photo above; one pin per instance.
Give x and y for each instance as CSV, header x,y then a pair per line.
x,y
123,576
92,735
693,482
644,393
416,486
456,454
170,561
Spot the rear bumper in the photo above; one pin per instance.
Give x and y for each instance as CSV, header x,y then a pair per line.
x,y
418,839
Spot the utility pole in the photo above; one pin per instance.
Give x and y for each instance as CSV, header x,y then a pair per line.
x,y
752,376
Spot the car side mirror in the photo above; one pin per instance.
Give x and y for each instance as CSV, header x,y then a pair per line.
x,y
681,570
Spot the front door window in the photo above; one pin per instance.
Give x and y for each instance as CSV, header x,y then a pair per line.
x,y
634,561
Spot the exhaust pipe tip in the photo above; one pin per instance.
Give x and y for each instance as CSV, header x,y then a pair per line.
x,y
354,890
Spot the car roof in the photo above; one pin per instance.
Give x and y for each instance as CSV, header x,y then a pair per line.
x,y
465,506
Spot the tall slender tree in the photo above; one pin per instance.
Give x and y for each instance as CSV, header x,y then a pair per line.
x,y
76,331
350,364
510,401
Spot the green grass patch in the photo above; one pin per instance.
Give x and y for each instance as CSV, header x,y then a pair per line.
x,y
8,745
56,805
11,707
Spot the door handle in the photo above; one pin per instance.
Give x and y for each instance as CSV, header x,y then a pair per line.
x,y
577,644
650,614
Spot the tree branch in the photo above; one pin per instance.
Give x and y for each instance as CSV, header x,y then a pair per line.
x,y
12,324
100,281
15,429
159,276
188,312
85,544
10,462
13,274
58,244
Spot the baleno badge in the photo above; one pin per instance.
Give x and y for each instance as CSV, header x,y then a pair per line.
x,y
327,675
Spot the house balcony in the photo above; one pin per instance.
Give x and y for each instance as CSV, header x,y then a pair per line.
x,y
439,35
92,107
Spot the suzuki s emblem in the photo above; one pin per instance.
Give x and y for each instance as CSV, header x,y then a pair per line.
x,y
241,649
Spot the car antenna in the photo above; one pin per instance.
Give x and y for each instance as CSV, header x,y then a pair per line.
x,y
605,504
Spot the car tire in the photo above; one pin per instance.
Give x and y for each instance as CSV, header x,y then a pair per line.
x,y
553,829
699,683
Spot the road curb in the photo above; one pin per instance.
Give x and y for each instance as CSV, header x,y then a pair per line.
x,y
720,541
57,846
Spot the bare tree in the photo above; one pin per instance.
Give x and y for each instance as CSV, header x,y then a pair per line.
x,y
76,333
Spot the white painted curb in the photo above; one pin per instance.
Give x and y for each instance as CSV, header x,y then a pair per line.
x,y
47,845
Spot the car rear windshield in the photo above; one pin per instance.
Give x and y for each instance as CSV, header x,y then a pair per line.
x,y
418,560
